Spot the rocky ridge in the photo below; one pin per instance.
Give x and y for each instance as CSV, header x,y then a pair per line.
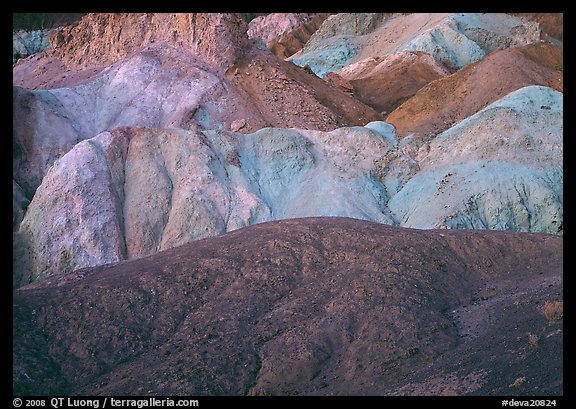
x,y
162,85
152,189
315,306
453,39
271,27
104,38
500,168
385,83
293,41
158,188
451,99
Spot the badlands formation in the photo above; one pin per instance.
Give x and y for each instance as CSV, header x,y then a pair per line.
x,y
353,196
314,306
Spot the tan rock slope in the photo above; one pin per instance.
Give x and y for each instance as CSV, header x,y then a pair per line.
x,y
103,38
317,306
450,99
385,83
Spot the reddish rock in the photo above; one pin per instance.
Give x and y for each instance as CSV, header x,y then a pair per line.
x,y
551,24
293,41
100,39
288,96
448,100
386,82
175,82
338,82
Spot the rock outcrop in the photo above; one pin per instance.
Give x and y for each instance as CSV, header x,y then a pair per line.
x,y
203,206
132,192
161,85
385,83
26,43
272,26
333,44
551,24
100,39
501,169
293,41
154,189
316,306
448,100
454,39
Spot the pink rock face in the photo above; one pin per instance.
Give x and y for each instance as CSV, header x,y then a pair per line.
x,y
339,82
132,73
293,41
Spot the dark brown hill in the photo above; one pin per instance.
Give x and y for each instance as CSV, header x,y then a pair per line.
x,y
315,306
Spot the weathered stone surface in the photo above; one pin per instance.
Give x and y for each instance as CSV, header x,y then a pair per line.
x,y
334,44
347,24
451,99
454,39
339,82
271,27
498,169
385,83
464,38
551,24
26,43
167,86
100,39
201,132
152,189
315,306
176,173
41,134
293,41
84,225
